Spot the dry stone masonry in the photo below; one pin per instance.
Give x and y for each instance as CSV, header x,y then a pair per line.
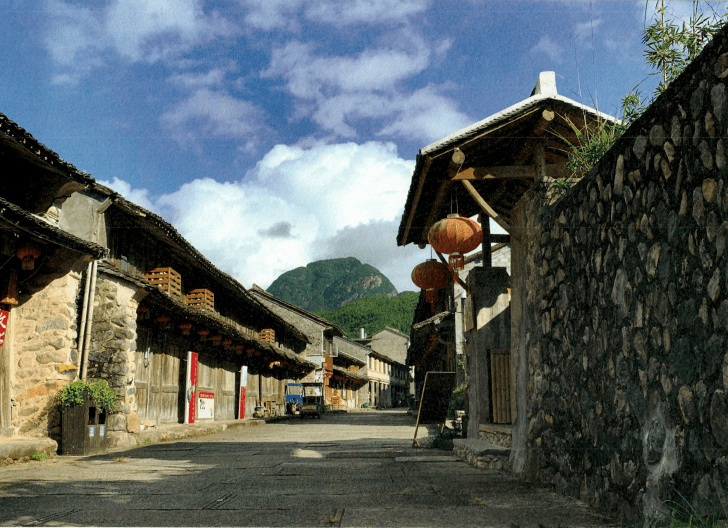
x,y
627,281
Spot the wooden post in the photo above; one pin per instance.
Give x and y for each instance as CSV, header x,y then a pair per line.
x,y
484,220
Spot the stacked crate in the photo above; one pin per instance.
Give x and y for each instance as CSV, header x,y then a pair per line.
x,y
166,279
268,335
201,298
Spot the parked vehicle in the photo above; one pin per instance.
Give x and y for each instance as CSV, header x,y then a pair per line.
x,y
312,403
294,395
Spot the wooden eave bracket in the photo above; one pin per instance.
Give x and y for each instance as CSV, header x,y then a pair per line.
x,y
487,209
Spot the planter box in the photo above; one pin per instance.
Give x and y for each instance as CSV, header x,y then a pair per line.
x,y
166,279
203,299
83,429
268,335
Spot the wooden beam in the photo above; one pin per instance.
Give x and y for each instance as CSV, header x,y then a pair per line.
x,y
485,207
460,282
456,161
543,123
511,172
418,193
500,239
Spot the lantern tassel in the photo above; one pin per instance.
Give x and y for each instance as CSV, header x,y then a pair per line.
x,y
431,297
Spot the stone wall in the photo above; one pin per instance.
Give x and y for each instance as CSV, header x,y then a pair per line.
x,y
624,321
113,344
43,351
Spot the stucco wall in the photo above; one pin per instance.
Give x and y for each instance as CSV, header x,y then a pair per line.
x,y
625,313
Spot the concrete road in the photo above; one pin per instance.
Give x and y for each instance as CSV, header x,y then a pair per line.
x,y
354,469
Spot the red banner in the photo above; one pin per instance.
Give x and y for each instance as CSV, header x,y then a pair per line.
x,y
3,325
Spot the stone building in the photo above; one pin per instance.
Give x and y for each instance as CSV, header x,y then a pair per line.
x,y
161,312
107,290
618,304
390,345
325,341
41,269
348,384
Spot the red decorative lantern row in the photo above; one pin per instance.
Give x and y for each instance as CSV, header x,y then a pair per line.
x,y
431,276
455,236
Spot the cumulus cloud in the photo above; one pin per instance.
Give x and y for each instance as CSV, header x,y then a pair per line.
x,y
138,196
550,48
297,205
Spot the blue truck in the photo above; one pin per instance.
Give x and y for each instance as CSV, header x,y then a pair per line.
x,y
294,396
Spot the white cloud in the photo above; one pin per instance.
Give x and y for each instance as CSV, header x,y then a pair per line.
x,y
338,92
270,15
138,196
137,30
296,206
548,47
338,13
213,113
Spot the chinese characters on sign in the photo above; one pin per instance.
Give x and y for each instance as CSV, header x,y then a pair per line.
x,y
3,325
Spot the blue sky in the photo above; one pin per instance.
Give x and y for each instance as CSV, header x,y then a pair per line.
x,y
273,133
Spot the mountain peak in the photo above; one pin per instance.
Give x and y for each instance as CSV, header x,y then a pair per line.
x,y
330,284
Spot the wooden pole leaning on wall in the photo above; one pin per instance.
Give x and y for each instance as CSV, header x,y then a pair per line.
x,y
419,410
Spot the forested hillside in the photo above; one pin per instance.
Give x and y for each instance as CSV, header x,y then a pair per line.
x,y
374,314
330,284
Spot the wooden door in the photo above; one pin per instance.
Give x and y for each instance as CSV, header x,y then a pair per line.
x,y
225,394
500,375
143,356
168,384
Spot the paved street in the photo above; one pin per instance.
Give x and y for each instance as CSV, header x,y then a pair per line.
x,y
345,470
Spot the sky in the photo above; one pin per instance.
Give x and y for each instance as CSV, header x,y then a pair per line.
x,y
273,133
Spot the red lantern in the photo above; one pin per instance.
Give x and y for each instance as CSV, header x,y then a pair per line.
x,y
203,334
28,253
185,327
431,276
455,236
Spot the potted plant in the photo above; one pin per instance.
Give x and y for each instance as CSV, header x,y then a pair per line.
x,y
84,408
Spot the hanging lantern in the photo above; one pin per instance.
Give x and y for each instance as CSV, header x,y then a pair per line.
x,y
216,339
142,312
28,253
185,327
239,348
163,321
431,276
455,236
227,343
203,334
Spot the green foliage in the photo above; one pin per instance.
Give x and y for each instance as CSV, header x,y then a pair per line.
x,y
375,314
100,393
670,47
38,456
329,284
147,442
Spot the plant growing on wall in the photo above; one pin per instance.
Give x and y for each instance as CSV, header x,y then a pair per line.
x,y
669,48
100,394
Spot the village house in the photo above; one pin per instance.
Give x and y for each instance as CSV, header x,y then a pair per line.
x,y
390,381
338,372
123,298
616,322
41,271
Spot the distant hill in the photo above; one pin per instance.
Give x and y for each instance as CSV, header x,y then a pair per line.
x,y
330,284
374,314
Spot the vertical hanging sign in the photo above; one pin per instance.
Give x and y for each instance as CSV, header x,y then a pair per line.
x,y
3,325
243,384
191,391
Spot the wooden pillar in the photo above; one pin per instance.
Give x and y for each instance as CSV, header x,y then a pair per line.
x,y
485,226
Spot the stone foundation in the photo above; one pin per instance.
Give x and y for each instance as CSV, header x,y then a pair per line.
x,y
482,454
